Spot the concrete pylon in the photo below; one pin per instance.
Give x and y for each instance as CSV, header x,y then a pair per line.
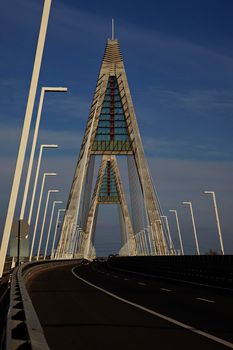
x,y
108,190
112,129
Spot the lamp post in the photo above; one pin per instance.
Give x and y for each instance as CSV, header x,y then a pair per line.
x,y
50,225
44,218
43,91
217,219
194,226
38,212
178,228
55,232
42,147
25,134
169,233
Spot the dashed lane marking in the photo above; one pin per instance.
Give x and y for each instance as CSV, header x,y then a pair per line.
x,y
206,300
166,290
157,314
142,284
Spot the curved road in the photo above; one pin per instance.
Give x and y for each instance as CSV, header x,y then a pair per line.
x,y
94,306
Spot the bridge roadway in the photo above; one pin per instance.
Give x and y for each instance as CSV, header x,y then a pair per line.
x,y
76,315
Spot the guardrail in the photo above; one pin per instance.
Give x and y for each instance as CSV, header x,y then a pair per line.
x,y
214,270
23,328
4,306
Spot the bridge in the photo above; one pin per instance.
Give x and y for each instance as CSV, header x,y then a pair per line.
x,y
60,294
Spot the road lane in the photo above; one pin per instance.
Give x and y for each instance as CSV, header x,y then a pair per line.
x,y
76,315
181,303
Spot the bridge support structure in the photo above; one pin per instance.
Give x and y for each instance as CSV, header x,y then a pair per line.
x,y
112,131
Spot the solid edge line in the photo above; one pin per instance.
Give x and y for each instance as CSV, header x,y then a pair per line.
x,y
166,318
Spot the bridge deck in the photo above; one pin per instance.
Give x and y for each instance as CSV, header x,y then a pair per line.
x,y
74,314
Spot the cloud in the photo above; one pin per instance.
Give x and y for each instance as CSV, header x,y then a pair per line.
x,y
10,137
181,90
184,149
202,101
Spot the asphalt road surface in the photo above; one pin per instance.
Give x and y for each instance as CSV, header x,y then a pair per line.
x,y
92,306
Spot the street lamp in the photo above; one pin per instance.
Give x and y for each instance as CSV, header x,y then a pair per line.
x,y
55,232
43,91
50,225
217,219
169,232
178,228
25,134
42,147
38,212
194,226
44,218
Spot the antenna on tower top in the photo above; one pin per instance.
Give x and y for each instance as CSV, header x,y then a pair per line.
x,y
113,29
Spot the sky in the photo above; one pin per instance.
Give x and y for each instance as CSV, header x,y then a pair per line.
x,y
178,57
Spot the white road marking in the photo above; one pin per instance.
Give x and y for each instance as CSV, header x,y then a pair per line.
x,y
157,314
126,279
207,300
173,279
142,284
166,290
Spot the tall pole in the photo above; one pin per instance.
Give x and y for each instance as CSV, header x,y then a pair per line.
x,y
113,29
36,179
194,226
169,232
43,91
50,225
18,245
178,228
43,223
38,212
55,232
25,134
217,220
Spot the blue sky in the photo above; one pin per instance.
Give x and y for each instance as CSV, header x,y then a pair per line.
x,y
179,62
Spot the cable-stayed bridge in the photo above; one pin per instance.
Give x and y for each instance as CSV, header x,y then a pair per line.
x,y
147,295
